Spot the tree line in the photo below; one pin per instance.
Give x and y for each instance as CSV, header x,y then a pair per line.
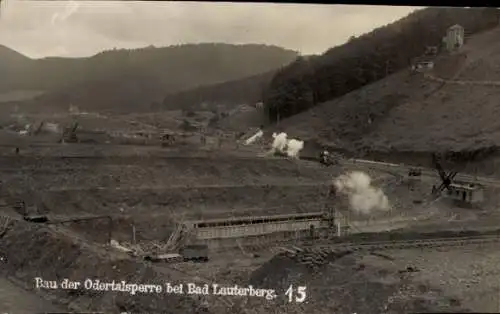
x,y
309,81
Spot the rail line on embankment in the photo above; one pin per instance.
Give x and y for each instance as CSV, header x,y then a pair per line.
x,y
355,246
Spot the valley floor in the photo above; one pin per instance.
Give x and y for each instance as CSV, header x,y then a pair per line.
x,y
153,193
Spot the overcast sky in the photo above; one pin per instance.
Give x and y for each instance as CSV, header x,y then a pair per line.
x,y
78,28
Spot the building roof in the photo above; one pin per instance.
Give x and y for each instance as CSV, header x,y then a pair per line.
x,y
194,247
247,219
424,59
465,186
169,256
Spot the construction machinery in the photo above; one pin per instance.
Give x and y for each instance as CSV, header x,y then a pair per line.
x,y
166,258
194,252
69,134
30,213
337,219
325,159
179,237
328,159
463,193
167,140
414,172
446,178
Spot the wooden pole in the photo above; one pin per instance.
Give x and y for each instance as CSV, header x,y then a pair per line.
x,y
133,234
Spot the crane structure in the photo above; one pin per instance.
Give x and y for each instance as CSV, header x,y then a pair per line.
x,y
464,193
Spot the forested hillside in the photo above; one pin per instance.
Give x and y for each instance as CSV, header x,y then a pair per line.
x,y
127,79
244,91
366,59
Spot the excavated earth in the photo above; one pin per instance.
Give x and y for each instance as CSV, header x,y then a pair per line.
x,y
452,280
52,255
147,188
152,190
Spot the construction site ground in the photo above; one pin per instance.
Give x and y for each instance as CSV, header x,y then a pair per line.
x,y
10,294
152,189
400,281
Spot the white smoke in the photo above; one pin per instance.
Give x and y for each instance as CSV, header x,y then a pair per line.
x,y
363,196
283,145
254,137
279,143
294,147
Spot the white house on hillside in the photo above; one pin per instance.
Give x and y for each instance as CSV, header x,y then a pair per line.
x,y
454,38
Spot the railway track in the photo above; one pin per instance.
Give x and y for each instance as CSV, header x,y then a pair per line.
x,y
431,173
315,257
398,244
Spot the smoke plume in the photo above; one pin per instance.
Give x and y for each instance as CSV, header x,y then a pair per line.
x,y
294,147
283,145
254,137
279,142
363,196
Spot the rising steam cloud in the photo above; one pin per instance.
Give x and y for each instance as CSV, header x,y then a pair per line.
x,y
281,144
364,198
254,137
294,147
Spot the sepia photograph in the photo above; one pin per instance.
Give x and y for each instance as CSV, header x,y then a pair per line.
x,y
177,157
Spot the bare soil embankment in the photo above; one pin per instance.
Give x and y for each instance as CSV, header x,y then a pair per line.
x,y
192,201
344,281
54,256
10,296
415,112
154,213
121,173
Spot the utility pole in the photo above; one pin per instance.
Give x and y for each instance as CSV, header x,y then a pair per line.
x,y
133,234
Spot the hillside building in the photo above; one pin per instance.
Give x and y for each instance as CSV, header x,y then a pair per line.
x,y
431,51
465,193
454,38
422,63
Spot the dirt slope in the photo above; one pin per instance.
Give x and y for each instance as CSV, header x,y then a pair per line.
x,y
417,112
350,282
42,257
